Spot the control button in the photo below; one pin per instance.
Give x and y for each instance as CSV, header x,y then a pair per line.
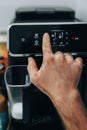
x,y
36,43
52,35
54,43
23,40
61,43
67,43
73,38
76,38
61,35
26,38
36,35
67,33
53,39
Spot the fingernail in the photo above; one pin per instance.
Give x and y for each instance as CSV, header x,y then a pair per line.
x,y
29,59
45,34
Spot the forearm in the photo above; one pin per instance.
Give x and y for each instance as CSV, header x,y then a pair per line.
x,y
72,111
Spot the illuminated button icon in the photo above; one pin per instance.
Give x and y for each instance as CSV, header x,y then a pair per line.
x,y
61,34
54,39
54,43
73,38
36,35
53,35
61,43
23,40
67,43
76,38
36,43
66,33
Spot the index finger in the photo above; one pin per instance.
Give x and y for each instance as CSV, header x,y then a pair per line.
x,y
46,45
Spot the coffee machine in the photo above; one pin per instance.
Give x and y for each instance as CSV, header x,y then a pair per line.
x,y
25,40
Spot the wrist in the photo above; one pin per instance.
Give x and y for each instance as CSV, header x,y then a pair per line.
x,y
67,103
71,96
71,110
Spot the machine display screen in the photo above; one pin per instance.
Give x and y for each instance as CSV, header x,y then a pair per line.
x,y
27,38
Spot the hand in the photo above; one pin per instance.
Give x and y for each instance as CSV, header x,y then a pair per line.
x,y
58,78
59,74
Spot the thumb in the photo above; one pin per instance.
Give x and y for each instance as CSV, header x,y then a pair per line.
x,y
32,69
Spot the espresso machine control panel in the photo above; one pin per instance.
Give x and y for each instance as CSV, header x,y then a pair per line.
x,y
26,39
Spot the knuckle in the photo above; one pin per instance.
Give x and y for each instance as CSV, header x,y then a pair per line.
x,y
79,62
69,58
58,52
59,57
34,78
49,58
68,55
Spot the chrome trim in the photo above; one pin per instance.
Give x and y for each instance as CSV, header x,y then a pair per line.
x,y
47,23
39,54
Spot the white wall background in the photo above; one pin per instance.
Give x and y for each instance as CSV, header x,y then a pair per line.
x,y
81,10
8,7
